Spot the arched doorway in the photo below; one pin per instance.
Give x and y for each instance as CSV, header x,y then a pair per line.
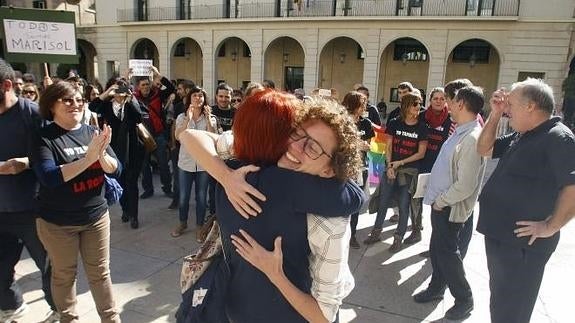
x,y
284,63
145,49
233,63
187,61
405,59
341,65
476,60
88,63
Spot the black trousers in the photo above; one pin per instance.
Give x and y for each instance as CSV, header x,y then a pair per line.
x,y
354,218
130,197
515,276
17,230
449,242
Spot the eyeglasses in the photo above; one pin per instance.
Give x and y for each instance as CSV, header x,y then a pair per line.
x,y
28,92
236,100
70,101
310,146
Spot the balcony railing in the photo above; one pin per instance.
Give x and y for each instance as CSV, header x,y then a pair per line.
x,y
327,8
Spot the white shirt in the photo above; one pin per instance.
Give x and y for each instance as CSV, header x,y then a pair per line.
x,y
332,280
185,160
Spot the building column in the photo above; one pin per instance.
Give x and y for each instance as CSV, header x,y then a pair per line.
x,y
371,64
311,60
209,68
254,41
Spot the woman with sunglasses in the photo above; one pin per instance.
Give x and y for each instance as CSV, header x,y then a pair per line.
x,y
70,159
30,92
405,146
237,97
122,112
304,168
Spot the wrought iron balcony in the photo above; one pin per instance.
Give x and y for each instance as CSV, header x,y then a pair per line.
x,y
326,8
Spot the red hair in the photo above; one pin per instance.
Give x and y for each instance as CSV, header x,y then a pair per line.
x,y
262,126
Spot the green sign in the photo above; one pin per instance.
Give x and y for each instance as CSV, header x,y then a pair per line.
x,y
38,35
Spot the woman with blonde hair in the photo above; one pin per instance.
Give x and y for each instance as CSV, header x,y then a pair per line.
x,y
30,92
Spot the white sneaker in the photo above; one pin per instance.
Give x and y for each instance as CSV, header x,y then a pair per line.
x,y
52,317
10,315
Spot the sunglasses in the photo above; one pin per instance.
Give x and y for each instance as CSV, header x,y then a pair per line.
x,y
28,92
71,101
236,100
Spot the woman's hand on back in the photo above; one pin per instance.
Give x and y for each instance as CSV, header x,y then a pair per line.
x,y
241,194
268,262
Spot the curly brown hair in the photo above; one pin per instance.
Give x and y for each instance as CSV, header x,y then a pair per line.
x,y
346,161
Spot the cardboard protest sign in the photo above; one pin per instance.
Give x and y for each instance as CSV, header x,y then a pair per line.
x,y
140,67
32,35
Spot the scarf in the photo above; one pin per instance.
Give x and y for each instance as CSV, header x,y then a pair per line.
x,y
435,120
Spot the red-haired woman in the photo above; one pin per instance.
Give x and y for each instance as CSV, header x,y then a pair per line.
x,y
266,134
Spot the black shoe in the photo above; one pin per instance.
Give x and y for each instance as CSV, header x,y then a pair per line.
x,y
424,254
394,218
459,311
427,296
174,205
125,217
147,194
134,224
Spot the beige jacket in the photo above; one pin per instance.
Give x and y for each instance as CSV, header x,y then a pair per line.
x,y
467,169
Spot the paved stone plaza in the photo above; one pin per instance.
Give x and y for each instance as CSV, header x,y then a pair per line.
x,y
146,263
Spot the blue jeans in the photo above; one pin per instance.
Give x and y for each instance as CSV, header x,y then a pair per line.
x,y
387,189
161,154
186,180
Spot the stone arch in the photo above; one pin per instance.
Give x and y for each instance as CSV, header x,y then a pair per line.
x,y
186,60
341,64
284,60
144,48
402,59
232,59
477,60
88,64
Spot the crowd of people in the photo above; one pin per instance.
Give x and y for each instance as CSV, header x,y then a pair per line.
x,y
300,164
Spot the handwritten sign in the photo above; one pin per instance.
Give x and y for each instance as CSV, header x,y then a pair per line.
x,y
33,35
140,67
39,37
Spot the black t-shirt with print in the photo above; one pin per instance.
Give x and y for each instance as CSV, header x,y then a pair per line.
x,y
366,133
406,139
224,117
81,200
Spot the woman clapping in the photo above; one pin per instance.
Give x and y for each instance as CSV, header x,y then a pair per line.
x,y
70,159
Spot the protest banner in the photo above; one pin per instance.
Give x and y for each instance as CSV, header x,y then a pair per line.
x,y
140,67
33,35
